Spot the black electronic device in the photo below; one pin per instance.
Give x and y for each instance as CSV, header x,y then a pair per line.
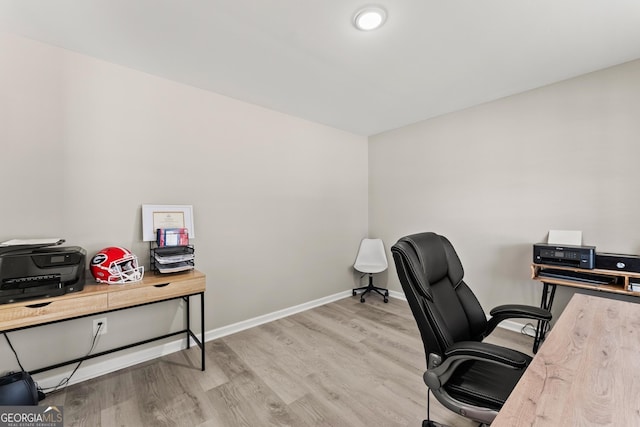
x,y
41,272
565,255
619,262
18,389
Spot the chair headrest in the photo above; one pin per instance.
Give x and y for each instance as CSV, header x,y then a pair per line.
x,y
431,258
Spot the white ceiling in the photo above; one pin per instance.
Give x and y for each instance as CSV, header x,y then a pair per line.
x,y
304,57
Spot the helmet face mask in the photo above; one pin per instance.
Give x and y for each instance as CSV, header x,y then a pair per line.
x,y
116,265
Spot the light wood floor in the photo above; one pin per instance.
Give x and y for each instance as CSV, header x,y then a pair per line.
x,y
342,364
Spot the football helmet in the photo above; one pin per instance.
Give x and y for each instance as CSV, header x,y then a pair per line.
x,y
116,265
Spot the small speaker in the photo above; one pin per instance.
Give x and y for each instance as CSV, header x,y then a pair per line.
x,y
619,262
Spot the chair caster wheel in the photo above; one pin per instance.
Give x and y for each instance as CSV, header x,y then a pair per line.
x,y
361,299
354,292
386,299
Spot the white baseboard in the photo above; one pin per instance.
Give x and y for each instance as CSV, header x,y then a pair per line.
x,y
397,295
115,362
110,364
511,325
256,321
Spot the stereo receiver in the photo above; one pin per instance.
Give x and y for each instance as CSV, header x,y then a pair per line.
x,y
565,255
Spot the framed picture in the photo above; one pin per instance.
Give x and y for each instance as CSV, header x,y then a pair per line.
x,y
166,216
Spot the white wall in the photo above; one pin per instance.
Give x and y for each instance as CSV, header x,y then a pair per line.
x,y
495,178
280,203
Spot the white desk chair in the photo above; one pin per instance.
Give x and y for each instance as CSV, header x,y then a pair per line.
x,y
371,259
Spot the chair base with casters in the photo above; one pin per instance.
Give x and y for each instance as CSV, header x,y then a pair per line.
x,y
370,288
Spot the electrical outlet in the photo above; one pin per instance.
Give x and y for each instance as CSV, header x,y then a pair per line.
x,y
103,328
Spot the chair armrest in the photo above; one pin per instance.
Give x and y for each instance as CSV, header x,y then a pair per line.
x,y
439,371
516,311
487,352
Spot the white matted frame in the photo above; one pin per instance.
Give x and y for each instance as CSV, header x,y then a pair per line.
x,y
166,216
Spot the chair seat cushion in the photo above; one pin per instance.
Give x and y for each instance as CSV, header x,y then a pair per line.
x,y
370,268
483,384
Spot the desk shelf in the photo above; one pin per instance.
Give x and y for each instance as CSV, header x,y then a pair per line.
x,y
621,286
619,283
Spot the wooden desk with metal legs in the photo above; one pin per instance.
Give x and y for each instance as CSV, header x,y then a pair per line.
x,y
586,373
101,298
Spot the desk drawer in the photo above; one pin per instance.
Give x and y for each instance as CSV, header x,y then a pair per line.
x,y
35,312
145,294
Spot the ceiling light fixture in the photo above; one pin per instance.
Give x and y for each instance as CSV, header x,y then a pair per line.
x,y
369,18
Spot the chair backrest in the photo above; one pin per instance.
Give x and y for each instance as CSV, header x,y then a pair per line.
x,y
371,257
444,307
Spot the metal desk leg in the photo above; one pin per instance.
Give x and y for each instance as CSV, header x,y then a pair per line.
x,y
190,334
188,303
202,328
548,293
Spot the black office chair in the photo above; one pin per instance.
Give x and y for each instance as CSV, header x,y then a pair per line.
x,y
466,375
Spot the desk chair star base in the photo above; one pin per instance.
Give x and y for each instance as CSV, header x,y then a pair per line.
x,y
466,375
371,259
370,288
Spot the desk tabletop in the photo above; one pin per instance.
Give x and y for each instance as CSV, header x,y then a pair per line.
x,y
586,373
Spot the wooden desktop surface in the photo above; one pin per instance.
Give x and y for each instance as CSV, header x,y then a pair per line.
x,y
586,373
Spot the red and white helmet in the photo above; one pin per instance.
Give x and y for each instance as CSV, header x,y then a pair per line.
x,y
116,265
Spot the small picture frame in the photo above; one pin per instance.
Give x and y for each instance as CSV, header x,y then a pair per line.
x,y
166,216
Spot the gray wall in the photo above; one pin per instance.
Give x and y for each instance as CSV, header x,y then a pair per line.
x,y
280,203
495,178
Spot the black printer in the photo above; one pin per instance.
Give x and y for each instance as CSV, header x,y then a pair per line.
x,y
40,272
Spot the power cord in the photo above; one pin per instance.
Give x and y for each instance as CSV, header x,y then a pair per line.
x,y
528,330
13,349
532,329
65,381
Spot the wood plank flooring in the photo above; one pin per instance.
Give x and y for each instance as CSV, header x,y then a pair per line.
x,y
341,364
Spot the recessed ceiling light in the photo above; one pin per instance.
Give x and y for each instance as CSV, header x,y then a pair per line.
x,y
369,18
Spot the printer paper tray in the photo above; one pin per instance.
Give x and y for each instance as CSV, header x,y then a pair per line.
x,y
7,297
